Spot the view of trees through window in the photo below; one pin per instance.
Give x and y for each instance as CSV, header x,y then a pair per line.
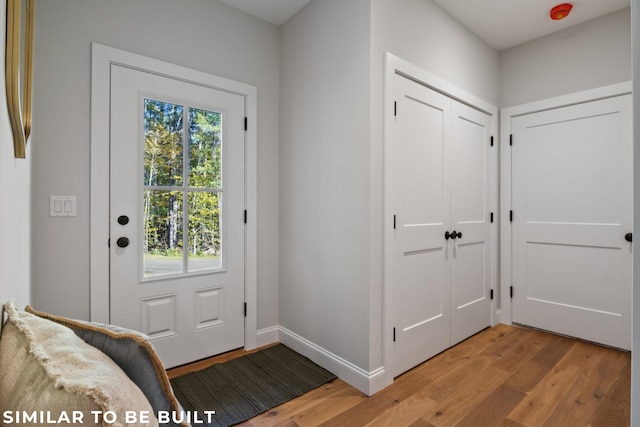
x,y
182,188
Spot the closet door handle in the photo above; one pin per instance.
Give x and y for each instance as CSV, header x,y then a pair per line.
x,y
447,236
459,235
454,234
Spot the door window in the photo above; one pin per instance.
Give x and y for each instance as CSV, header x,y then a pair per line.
x,y
183,189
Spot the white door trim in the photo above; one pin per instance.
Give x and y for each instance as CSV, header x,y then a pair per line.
x,y
506,114
395,65
101,59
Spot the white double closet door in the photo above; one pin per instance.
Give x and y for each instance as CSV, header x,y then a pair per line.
x,y
439,158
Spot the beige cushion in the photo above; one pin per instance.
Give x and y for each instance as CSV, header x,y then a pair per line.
x,y
135,355
46,367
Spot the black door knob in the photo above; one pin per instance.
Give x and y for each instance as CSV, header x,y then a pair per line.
x,y
122,242
123,220
628,237
459,235
447,235
454,234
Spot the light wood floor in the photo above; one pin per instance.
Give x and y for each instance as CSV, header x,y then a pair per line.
x,y
503,376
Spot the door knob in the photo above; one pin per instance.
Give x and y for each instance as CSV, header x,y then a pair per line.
x,y
447,235
454,235
459,235
628,237
122,242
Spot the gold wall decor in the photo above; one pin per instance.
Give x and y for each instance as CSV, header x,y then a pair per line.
x,y
18,70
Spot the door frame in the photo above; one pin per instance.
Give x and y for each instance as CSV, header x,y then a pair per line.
x,y
506,232
102,57
395,65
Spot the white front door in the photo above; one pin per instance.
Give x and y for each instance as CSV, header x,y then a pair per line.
x,y
177,214
439,191
572,206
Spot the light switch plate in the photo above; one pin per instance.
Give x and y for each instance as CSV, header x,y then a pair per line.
x,y
62,205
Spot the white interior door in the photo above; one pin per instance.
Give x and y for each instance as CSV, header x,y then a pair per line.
x,y
572,206
439,191
176,214
419,156
471,219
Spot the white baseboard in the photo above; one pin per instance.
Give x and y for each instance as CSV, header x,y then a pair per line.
x,y
367,382
267,336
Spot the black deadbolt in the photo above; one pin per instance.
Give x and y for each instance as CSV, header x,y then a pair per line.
x,y
123,220
122,242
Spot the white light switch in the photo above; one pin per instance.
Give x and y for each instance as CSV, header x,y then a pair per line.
x,y
62,205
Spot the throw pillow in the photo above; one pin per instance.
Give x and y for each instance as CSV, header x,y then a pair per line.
x,y
135,355
50,375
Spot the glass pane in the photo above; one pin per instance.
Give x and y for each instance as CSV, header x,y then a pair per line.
x,y
205,249
163,143
162,248
205,147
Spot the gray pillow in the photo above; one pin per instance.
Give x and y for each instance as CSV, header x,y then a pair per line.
x,y
133,352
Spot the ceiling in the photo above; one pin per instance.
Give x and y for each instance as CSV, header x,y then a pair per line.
x,y
507,23
500,23
275,11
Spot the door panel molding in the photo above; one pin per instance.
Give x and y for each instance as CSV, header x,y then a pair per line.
x,y
102,57
506,116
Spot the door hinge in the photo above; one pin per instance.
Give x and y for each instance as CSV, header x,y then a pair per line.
x,y
245,309
394,334
246,123
395,109
510,216
511,291
492,141
394,222
491,294
510,139
245,216
491,217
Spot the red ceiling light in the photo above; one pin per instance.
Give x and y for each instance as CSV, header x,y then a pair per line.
x,y
561,11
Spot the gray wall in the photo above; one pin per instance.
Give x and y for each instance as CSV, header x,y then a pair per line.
x,y
201,34
324,170
635,351
586,56
14,217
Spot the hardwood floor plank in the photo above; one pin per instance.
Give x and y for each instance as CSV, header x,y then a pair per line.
x,y
599,372
493,409
615,408
548,394
470,391
329,407
413,381
442,388
406,412
503,376
516,352
530,373
421,423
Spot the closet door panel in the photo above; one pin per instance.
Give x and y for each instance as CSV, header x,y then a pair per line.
x,y
470,218
419,159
